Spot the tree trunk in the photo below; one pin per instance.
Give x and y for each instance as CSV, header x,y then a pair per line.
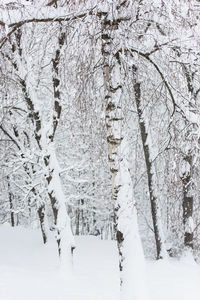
x,y
155,209
188,169
188,201
77,222
131,259
10,195
41,215
62,224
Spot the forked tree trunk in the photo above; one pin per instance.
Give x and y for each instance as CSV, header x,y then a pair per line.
x,y
45,144
62,224
155,208
131,259
62,221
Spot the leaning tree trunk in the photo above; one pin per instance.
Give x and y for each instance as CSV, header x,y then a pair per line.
x,y
45,144
155,209
131,259
36,122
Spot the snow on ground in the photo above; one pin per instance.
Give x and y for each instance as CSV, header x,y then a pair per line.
x,y
30,271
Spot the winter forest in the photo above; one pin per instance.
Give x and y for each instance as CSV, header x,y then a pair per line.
x,y
99,149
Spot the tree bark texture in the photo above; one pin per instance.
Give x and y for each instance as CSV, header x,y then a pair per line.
x,y
187,205
155,209
45,144
128,240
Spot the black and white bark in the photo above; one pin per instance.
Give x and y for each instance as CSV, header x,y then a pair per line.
x,y
62,224
45,142
131,260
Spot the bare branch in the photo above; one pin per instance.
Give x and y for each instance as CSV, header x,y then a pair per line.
x,y
10,136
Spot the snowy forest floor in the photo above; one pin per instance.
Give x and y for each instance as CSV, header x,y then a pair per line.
x,y
29,270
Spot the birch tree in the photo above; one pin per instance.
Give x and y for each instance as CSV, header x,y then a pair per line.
x,y
131,260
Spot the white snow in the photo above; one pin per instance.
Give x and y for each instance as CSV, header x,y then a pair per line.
x,y
30,270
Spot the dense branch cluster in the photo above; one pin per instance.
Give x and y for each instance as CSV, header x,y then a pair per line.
x,y
103,90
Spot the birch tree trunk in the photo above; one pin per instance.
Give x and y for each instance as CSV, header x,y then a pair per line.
x,y
131,259
62,224
155,208
45,141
